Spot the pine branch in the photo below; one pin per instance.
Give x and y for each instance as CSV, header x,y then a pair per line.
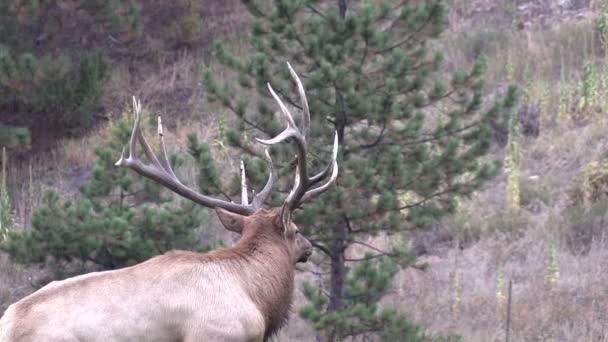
x,y
406,40
378,139
316,11
375,256
371,247
316,244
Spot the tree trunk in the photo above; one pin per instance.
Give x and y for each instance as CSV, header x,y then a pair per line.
x,y
338,245
337,269
342,5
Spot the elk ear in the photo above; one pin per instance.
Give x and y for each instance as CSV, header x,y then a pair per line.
x,y
231,221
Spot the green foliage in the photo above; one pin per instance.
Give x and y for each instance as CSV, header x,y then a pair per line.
x,y
14,137
552,271
186,26
66,95
544,102
601,22
590,185
527,86
63,89
582,226
48,17
464,228
512,161
586,216
119,219
486,42
534,191
5,204
565,94
361,314
211,181
605,82
370,77
220,141
510,66
588,98
500,284
31,193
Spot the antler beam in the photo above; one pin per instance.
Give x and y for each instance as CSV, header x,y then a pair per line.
x,y
161,172
302,185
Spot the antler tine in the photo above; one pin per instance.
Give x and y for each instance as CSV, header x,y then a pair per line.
x,y
131,145
296,186
260,198
161,172
290,132
284,109
302,184
136,134
244,196
304,101
164,160
334,175
321,175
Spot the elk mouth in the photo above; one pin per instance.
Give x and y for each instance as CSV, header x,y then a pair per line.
x,y
305,256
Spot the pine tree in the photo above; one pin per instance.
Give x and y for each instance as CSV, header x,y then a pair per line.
x,y
63,89
369,76
361,315
119,219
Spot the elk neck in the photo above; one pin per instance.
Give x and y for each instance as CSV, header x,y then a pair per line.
x,y
268,275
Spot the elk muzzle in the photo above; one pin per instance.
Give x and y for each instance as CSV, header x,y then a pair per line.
x,y
304,248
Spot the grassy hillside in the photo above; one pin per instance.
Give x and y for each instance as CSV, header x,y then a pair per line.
x,y
540,226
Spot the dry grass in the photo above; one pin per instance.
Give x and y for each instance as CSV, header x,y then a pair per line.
x,y
15,282
574,309
543,50
571,310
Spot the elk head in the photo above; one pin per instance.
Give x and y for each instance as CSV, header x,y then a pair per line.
x,y
269,227
248,218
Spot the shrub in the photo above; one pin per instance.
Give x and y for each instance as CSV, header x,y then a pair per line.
x,y
590,185
38,84
119,219
585,218
533,192
14,137
583,225
52,88
361,315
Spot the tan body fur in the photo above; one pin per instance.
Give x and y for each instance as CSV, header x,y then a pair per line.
x,y
241,293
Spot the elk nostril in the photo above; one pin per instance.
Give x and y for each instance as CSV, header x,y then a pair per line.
x,y
305,256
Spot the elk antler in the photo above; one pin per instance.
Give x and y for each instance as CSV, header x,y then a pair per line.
x,y
161,172
302,185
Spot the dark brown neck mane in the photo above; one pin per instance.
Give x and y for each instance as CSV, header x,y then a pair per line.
x,y
263,261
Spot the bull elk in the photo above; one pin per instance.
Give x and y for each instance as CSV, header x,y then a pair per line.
x,y
242,293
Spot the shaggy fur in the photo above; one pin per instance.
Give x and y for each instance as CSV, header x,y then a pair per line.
x,y
242,293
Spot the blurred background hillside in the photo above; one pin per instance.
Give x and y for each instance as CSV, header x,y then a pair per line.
x,y
530,239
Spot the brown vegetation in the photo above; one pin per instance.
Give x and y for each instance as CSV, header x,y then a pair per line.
x,y
567,306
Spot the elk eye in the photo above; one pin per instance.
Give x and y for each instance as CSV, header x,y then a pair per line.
x,y
297,231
